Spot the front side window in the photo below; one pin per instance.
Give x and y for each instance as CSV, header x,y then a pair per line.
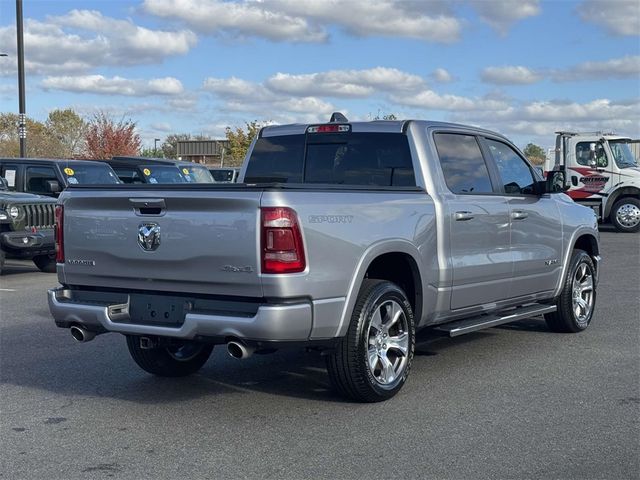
x,y
37,179
463,165
515,172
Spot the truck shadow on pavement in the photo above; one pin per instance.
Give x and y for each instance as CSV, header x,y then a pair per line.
x,y
103,368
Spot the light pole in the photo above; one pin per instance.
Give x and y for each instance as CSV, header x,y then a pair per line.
x,y
22,117
155,147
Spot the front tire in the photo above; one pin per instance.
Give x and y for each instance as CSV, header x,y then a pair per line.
x,y
45,263
372,361
625,215
178,360
578,297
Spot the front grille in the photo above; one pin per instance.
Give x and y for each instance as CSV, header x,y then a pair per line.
x,y
40,216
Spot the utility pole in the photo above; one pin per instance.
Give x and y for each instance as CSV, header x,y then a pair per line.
x,y
22,118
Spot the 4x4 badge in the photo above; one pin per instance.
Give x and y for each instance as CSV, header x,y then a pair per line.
x,y
149,236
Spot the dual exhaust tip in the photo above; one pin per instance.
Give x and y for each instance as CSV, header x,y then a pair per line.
x,y
235,349
239,350
81,335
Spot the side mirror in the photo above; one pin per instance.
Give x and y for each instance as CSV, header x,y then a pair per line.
x,y
53,186
4,185
555,183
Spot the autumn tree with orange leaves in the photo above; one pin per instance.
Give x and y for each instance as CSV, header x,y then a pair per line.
x,y
106,137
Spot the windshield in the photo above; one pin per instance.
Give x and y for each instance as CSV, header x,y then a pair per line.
x,y
196,174
622,154
162,174
89,173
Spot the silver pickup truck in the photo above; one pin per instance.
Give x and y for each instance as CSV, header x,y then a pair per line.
x,y
341,237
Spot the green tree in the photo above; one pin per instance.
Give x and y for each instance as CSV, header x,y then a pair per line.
x,y
239,141
151,153
534,153
40,141
69,129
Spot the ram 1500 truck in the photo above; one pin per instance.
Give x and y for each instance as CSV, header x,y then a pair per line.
x,y
342,237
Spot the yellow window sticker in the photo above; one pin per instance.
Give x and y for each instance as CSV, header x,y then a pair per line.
x,y
146,171
69,171
185,171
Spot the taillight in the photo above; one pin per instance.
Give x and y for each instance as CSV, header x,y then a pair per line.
x,y
59,234
282,248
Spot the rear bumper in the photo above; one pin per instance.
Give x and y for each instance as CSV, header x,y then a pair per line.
x,y
289,322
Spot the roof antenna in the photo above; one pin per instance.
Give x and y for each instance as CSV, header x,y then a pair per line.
x,y
337,117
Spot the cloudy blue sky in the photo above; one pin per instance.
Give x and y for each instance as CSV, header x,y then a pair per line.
x,y
525,67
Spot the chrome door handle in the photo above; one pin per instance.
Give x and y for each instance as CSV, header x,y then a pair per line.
x,y
519,215
463,216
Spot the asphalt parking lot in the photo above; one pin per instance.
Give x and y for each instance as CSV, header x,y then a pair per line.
x,y
510,402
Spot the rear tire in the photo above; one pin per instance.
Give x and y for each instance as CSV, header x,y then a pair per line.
x,y
578,297
179,360
372,361
625,215
45,263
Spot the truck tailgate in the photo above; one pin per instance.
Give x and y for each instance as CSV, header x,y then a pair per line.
x,y
208,241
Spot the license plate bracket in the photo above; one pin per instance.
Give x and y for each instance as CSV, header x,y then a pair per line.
x,y
158,309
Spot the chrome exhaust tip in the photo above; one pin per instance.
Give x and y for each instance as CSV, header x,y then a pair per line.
x,y
239,350
81,335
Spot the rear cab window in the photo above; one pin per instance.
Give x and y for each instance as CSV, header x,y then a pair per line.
x,y
344,158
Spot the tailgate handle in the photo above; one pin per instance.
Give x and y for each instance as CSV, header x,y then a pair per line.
x,y
148,206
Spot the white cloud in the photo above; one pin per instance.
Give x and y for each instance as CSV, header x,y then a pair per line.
x,y
625,67
101,85
344,83
308,21
502,14
161,126
82,40
510,75
238,95
621,17
441,75
430,100
244,18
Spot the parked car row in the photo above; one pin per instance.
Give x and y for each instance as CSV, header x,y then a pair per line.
x,y
27,185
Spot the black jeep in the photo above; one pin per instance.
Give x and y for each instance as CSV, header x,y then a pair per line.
x,y
26,228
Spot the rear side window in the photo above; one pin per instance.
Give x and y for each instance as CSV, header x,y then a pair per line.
x,y
376,159
463,165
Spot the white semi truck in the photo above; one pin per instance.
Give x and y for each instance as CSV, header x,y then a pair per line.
x,y
601,172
